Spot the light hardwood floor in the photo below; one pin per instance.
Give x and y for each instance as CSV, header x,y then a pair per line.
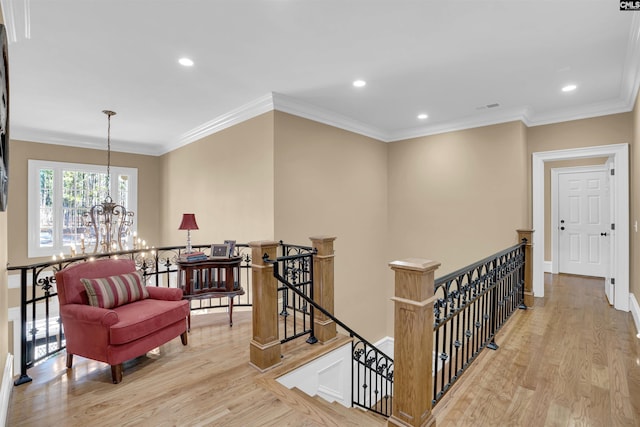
x,y
570,360
207,383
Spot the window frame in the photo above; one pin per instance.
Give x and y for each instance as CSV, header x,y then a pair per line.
x,y
34,250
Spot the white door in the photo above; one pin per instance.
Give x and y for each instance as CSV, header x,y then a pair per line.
x,y
583,222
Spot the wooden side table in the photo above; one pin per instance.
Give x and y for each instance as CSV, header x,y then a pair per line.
x,y
211,278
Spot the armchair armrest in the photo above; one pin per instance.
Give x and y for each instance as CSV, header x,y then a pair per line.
x,y
89,314
167,294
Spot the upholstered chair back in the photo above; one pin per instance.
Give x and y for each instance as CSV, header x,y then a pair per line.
x,y
70,288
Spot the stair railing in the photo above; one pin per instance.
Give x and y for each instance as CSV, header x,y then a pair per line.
x,y
372,376
472,304
295,314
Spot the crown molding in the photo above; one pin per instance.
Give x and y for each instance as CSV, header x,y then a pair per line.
x,y
287,104
290,105
488,119
73,140
17,19
583,112
631,73
245,112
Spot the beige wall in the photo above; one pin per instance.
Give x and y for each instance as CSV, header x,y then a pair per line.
x,y
547,194
226,179
612,129
332,182
605,130
634,238
457,197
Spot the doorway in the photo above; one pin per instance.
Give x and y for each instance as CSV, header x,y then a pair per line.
x,y
580,221
619,250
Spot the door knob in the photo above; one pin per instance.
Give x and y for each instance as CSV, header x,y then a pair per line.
x,y
603,234
561,228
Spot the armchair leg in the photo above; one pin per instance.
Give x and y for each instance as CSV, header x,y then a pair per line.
x,y
116,373
183,338
69,360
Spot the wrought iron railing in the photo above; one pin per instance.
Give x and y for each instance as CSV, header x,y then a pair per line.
x,y
296,265
41,332
372,375
472,305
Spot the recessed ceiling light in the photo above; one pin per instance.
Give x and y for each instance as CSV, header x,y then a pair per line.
x,y
569,88
423,116
359,83
186,62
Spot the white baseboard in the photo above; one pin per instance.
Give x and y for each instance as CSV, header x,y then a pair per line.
x,y
5,389
635,311
547,266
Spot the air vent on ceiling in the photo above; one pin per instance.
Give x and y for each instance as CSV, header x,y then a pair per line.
x,y
484,107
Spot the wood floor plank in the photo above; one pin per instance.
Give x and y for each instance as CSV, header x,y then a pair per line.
x,y
207,383
569,360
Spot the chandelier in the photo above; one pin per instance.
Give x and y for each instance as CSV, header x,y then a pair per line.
x,y
109,222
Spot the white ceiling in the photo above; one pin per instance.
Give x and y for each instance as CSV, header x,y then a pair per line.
x,y
71,59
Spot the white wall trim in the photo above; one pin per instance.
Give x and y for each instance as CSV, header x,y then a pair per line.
x,y
5,389
14,316
635,311
620,153
290,105
328,376
243,113
547,266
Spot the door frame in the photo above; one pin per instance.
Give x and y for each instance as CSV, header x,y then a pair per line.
x,y
620,155
555,242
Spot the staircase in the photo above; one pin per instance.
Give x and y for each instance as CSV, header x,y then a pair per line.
x,y
314,408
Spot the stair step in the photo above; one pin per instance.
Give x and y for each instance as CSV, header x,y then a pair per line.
x,y
313,409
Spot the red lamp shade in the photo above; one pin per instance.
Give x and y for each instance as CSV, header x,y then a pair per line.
x,y
188,222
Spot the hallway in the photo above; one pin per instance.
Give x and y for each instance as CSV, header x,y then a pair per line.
x,y
570,360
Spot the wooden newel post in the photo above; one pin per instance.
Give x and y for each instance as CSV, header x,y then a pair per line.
x,y
413,342
325,328
528,266
264,349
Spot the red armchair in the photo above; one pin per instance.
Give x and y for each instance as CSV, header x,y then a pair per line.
x,y
114,335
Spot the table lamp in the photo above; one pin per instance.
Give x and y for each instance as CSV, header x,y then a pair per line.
x,y
188,223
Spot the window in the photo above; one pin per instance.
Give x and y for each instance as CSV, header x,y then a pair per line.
x,y
59,196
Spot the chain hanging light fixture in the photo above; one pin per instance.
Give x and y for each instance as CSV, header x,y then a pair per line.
x,y
109,222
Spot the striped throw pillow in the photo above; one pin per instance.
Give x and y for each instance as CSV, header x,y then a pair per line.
x,y
110,292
